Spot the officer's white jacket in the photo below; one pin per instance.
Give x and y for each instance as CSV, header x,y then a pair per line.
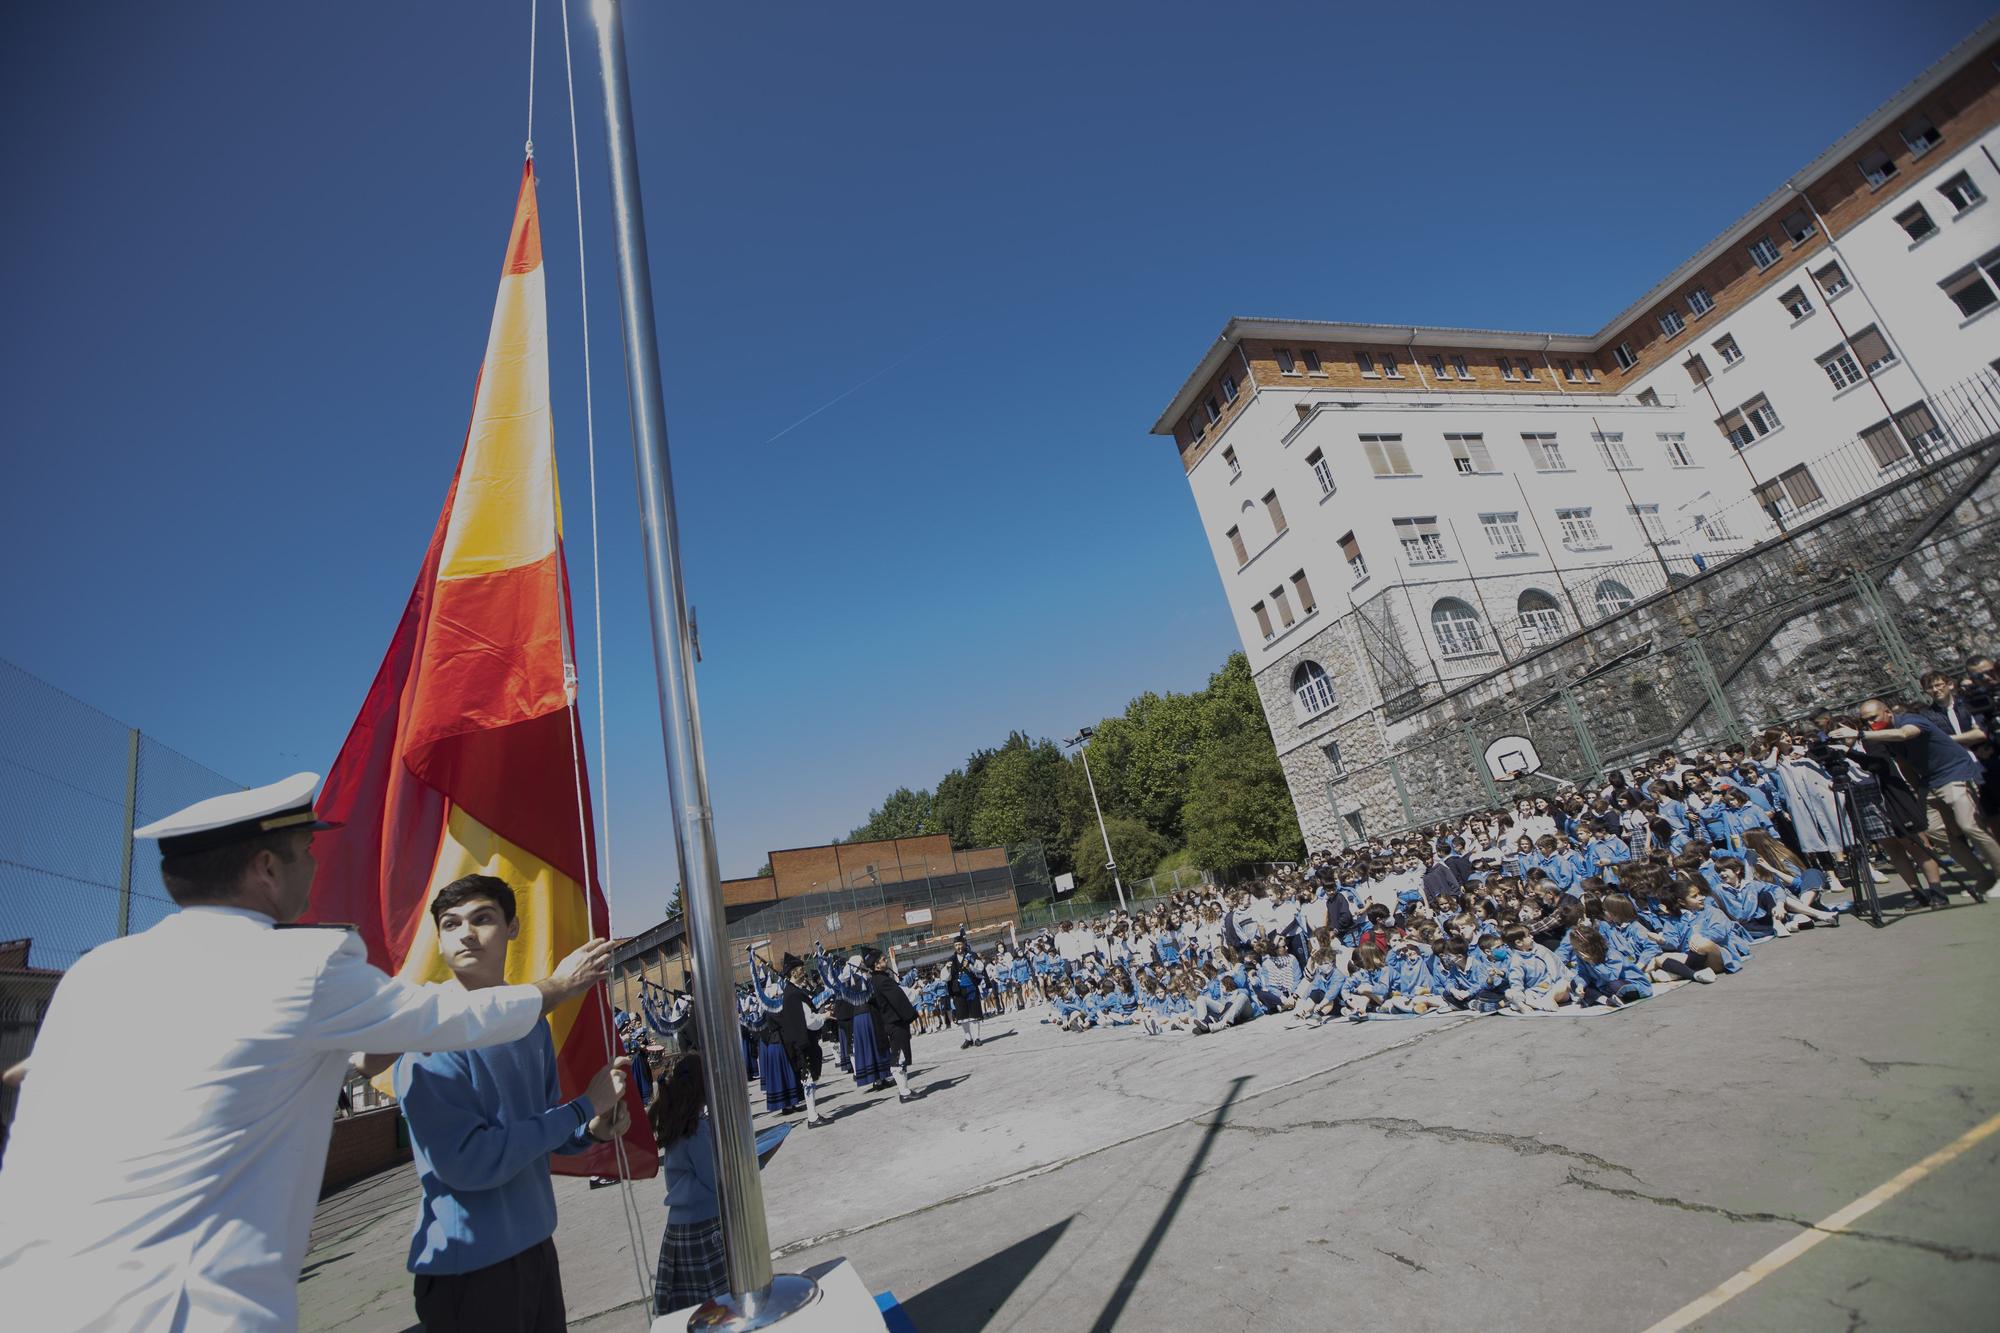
x,y
173,1124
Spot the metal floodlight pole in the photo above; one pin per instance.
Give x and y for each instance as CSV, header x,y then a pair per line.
x,y
1110,861
756,1297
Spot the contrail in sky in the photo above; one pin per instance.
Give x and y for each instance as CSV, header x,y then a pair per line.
x,y
842,394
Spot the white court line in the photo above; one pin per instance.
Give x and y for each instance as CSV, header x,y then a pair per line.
x,y
1834,1225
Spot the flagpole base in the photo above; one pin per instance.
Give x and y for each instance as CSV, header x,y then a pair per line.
x,y
787,1295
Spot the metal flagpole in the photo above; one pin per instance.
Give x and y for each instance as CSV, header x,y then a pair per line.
x,y
757,1298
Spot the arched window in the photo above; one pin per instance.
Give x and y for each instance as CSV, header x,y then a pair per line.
x,y
1312,689
1541,618
1613,597
1459,633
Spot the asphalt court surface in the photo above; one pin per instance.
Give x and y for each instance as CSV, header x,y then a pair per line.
x,y
1599,1173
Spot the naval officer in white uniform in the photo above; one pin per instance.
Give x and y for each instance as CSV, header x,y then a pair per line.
x,y
174,1115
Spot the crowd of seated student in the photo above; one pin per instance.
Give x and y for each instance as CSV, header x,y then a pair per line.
x,y
1668,872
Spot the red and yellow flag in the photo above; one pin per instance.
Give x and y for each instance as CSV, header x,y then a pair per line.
x,y
467,756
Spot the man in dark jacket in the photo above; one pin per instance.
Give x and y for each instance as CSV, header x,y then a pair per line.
x,y
894,1014
1439,877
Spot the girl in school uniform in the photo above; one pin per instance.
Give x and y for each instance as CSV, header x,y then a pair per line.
x,y
1608,978
1802,885
1691,923
1624,935
693,1266
1367,986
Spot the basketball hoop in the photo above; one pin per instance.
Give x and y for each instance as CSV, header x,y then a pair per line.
x,y
1512,757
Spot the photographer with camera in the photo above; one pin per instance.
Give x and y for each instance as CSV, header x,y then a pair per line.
x,y
1978,689
1947,774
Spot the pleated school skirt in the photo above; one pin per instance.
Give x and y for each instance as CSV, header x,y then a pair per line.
x,y
781,1083
871,1057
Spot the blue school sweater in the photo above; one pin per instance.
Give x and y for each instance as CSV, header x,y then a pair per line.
x,y
482,1126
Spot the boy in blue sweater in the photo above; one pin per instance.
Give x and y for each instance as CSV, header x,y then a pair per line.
x,y
482,1126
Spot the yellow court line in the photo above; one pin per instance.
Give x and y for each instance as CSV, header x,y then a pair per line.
x,y
1832,1226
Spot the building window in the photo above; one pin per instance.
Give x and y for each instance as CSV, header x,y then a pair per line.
x,y
1877,168
1579,530
1798,225
1790,492
1387,456
1506,367
1919,426
1750,422
1469,454
1437,366
1915,221
1885,444
1696,368
1421,541
1228,388
1357,825
1960,192
1351,550
1921,135
1316,460
1671,322
1972,290
1546,453
1872,350
1284,607
1214,410
1286,364
1312,689
1726,348
1612,597
1264,621
1235,536
1541,618
1503,533
1648,519
1459,633
1589,373
1676,445
1365,363
1197,427
1389,366
1276,511
1611,448
1796,303
1527,369
1763,253
1335,766
1313,366
1715,527
1302,589
1832,279
1625,356
1458,368
1235,468
1649,397
1840,367
1568,370
1700,302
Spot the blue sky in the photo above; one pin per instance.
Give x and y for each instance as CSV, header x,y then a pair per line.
x,y
252,252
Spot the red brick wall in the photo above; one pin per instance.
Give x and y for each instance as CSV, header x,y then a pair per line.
x,y
363,1145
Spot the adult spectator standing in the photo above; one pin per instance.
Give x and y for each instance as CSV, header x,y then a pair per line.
x,y
1440,878
1947,773
1981,690
173,1188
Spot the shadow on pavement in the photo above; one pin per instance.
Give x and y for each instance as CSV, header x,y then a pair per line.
x,y
1116,1305
968,1299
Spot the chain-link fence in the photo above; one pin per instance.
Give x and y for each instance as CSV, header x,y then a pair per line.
x,y
73,785
1853,600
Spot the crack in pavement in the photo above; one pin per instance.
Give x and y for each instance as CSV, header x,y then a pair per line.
x,y
1956,1254
1407,1263
1524,1145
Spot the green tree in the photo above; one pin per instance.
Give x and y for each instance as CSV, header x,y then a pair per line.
x,y
1167,731
1239,809
1136,846
1020,798
903,814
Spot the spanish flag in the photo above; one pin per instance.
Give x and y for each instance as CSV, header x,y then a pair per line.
x,y
468,754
